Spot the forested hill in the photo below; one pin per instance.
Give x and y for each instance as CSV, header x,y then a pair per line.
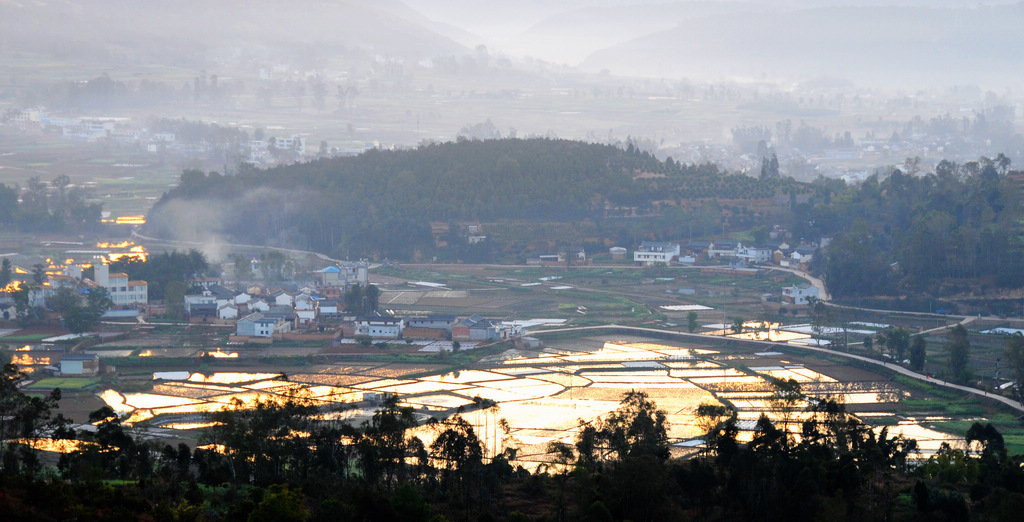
x,y
382,202
956,231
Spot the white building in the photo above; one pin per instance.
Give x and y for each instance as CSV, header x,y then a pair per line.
x,y
304,302
199,299
258,325
655,252
724,248
378,327
754,254
122,291
799,294
295,142
305,316
228,311
74,364
283,298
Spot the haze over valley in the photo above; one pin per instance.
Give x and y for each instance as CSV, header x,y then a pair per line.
x,y
837,91
495,260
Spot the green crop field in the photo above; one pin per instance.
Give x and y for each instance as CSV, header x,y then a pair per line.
x,y
66,383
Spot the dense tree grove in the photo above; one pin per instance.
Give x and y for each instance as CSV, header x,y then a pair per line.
x,y
955,230
163,269
360,300
42,206
382,202
958,344
287,460
938,233
80,309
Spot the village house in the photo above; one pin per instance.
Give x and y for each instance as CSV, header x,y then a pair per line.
x,y
283,298
343,275
227,312
803,254
442,322
122,291
698,247
260,325
380,327
543,260
574,254
477,328
799,294
205,283
429,327
754,255
485,330
723,248
293,142
193,300
77,365
328,307
304,317
259,305
655,252
305,302
331,276
202,312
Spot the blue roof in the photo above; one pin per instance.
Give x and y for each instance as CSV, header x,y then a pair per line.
x,y
331,270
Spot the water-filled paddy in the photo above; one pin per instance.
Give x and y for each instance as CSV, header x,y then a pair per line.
x,y
542,398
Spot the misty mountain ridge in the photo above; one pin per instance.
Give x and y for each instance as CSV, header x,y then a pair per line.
x,y
187,32
567,31
875,43
872,45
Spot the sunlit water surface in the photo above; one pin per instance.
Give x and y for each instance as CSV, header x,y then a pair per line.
x,y
538,399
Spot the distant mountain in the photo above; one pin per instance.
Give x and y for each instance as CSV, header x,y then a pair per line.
x,y
187,31
571,36
871,45
567,31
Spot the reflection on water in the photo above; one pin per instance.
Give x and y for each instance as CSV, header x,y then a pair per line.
x,y
53,445
928,440
540,399
231,377
190,425
770,335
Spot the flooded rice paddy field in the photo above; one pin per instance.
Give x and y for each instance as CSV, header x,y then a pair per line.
x,y
541,396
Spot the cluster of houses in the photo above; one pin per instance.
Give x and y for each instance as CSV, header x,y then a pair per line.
x,y
267,313
651,253
124,293
127,131
472,328
569,254
260,311
91,129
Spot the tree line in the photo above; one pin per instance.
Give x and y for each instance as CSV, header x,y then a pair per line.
x,y
54,206
166,273
955,230
381,203
288,460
